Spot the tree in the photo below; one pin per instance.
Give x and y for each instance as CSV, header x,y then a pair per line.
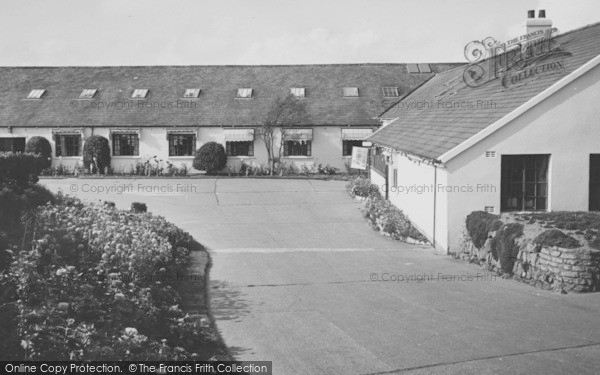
x,y
96,154
282,114
210,158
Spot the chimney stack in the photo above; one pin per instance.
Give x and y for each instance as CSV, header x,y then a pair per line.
x,y
534,24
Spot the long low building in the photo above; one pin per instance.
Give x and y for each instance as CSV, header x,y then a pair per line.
x,y
509,133
170,111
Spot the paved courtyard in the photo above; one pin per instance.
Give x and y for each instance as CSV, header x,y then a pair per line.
x,y
301,280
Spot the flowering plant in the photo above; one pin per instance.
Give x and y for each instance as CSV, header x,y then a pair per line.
x,y
97,284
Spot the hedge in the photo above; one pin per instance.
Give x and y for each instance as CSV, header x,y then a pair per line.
x,y
18,170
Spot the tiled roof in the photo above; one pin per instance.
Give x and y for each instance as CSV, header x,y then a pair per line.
x,y
217,104
428,125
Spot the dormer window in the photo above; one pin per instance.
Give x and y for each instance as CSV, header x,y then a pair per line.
x,y
139,93
87,94
191,93
390,92
350,91
244,93
36,94
298,92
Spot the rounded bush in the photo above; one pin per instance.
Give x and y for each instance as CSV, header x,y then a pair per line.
x,y
139,207
556,237
40,145
210,158
96,152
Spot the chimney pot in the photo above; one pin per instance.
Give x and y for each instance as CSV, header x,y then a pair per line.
x,y
531,14
542,13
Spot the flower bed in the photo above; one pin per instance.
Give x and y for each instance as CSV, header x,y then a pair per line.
x,y
362,187
381,214
102,284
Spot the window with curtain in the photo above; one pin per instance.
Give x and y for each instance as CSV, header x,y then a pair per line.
x,y
68,144
347,146
239,148
297,148
12,144
182,144
126,144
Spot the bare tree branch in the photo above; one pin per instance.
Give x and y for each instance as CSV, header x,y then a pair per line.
x,y
283,114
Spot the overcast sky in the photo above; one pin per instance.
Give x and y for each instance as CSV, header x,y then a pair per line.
x,y
198,32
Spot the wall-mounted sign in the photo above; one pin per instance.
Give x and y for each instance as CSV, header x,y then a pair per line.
x,y
360,156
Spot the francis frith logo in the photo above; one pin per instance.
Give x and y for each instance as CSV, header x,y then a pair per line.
x,y
515,61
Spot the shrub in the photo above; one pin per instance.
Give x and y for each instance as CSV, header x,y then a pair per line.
x,y
96,153
139,207
327,169
362,187
555,237
41,146
387,218
504,246
479,224
17,170
565,219
100,284
210,158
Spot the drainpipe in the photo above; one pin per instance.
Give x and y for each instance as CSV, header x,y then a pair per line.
x,y
387,180
434,201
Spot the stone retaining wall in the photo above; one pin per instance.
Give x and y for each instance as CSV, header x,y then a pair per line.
x,y
553,268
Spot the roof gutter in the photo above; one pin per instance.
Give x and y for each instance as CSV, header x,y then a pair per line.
x,y
452,153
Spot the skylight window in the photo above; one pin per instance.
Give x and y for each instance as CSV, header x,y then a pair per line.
x,y
191,93
424,68
87,94
139,93
298,92
244,93
390,92
413,68
350,91
36,94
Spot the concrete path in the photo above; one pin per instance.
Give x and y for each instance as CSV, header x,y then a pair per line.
x,y
301,280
